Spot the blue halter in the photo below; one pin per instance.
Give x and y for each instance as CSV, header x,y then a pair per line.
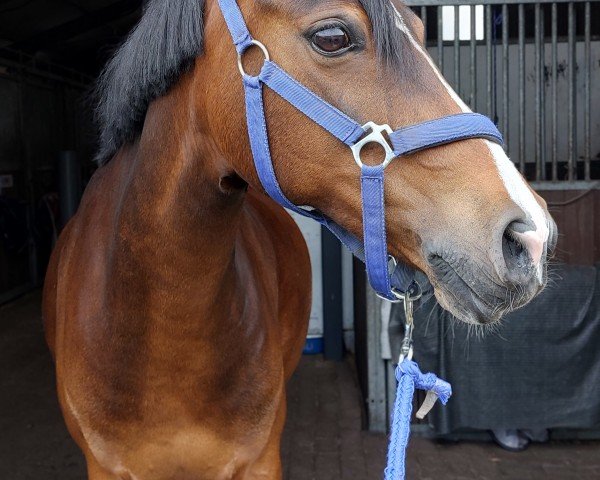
x,y
373,251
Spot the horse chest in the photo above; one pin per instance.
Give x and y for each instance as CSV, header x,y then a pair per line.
x,y
173,435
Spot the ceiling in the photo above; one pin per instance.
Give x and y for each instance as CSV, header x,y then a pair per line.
x,y
80,34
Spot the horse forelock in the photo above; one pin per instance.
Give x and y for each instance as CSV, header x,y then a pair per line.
x,y
165,43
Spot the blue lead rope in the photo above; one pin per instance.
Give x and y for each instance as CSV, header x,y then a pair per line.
x,y
409,377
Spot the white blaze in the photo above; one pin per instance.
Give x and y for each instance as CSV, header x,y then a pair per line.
x,y
514,183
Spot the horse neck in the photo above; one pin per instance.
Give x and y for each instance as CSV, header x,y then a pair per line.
x,y
175,228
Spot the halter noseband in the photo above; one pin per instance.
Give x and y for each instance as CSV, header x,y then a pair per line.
x,y
400,283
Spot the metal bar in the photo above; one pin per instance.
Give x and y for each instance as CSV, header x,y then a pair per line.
x,y
432,3
333,328
440,41
424,20
554,102
376,374
538,93
587,94
348,297
542,93
473,62
572,109
505,89
574,185
521,11
457,49
488,55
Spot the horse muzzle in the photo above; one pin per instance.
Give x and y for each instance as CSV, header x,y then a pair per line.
x,y
481,290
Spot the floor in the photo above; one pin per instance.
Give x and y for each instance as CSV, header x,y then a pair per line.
x,y
323,439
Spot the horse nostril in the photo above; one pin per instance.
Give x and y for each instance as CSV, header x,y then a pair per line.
x,y
522,247
515,255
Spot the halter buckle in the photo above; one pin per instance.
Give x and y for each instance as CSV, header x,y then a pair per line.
x,y
374,135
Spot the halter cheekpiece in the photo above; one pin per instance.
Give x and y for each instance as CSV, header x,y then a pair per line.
x,y
398,284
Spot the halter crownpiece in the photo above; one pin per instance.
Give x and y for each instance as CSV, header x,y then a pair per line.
x,y
390,284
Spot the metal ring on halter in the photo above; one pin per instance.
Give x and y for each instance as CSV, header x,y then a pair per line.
x,y
413,295
400,296
392,264
240,55
375,135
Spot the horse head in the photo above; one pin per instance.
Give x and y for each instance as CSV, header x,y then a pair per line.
x,y
459,212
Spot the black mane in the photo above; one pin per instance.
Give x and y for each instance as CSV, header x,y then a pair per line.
x,y
163,45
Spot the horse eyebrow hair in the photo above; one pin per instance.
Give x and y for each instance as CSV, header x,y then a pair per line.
x,y
390,42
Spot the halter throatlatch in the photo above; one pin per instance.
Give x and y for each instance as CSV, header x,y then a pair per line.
x,y
390,284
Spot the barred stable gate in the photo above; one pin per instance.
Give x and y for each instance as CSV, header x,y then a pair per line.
x,y
534,68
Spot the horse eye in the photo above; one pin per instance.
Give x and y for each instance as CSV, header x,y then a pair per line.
x,y
331,40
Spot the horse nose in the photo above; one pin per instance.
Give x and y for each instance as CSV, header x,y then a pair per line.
x,y
522,248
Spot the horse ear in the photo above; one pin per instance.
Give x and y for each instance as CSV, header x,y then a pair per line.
x,y
165,42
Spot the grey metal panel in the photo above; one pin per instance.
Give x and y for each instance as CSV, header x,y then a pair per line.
x,y
376,368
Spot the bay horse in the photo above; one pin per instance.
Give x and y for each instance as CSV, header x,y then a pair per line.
x,y
176,301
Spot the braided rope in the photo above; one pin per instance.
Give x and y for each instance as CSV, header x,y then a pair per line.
x,y
409,377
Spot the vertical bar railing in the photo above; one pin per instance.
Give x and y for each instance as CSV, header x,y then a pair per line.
x,y
457,48
554,54
489,58
587,152
538,92
542,93
547,59
572,71
424,20
505,81
473,62
440,39
521,19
